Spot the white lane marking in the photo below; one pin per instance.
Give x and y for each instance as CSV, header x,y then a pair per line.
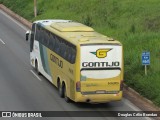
x,y
14,20
35,75
134,107
2,41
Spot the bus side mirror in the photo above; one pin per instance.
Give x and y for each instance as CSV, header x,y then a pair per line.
x,y
27,35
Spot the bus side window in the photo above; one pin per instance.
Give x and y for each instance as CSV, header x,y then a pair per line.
x,y
53,43
37,36
32,37
63,49
48,39
73,56
69,54
40,35
57,45
43,37
66,53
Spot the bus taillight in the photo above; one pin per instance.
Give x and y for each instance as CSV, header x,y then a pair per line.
x,y
121,85
78,86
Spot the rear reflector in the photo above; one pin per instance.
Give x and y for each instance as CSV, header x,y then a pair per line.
x,y
121,85
78,86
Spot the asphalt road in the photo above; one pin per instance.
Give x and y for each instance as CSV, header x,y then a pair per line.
x,y
22,90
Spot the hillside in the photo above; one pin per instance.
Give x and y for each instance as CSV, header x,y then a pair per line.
x,y
135,23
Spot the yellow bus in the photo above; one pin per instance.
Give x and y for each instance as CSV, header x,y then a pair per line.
x,y
83,64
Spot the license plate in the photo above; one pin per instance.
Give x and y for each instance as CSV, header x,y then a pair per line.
x,y
100,92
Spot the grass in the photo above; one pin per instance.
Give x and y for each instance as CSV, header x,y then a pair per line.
x,y
135,23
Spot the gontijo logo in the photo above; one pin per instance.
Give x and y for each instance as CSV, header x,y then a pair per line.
x,y
101,53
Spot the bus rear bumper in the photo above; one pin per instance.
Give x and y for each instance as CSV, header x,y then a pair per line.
x,y
98,98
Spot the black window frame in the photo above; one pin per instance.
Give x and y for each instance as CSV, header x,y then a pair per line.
x,y
56,43
33,30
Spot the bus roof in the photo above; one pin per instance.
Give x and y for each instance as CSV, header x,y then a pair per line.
x,y
75,32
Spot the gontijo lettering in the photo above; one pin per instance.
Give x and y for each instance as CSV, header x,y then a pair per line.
x,y
56,60
101,64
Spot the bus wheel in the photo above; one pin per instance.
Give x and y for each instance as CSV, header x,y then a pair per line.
x,y
36,67
65,95
60,90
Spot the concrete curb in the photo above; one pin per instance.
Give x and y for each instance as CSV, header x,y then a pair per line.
x,y
16,16
129,93
134,96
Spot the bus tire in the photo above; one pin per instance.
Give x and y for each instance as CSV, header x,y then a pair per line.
x,y
36,67
65,95
60,90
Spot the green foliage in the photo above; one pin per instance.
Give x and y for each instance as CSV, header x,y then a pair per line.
x,y
87,20
136,23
